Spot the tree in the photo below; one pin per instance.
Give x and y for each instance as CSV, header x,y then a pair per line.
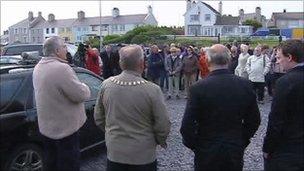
x,y
142,34
255,24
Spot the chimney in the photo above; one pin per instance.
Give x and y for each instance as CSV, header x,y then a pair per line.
x,y
220,7
39,14
51,17
284,10
30,16
115,12
188,4
241,12
81,15
150,9
258,10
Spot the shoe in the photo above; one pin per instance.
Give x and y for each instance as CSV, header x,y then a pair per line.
x,y
168,97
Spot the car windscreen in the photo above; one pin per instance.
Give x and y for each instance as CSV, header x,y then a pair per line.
x,y
17,50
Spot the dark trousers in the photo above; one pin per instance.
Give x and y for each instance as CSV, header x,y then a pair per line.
x,y
268,78
164,80
113,166
284,162
62,154
258,87
217,157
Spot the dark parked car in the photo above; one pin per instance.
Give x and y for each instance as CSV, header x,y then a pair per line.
x,y
20,140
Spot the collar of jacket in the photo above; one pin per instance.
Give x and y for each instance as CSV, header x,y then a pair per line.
x,y
128,78
49,59
299,66
219,72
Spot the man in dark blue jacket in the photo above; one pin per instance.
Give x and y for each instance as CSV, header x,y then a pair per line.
x,y
283,144
221,116
155,65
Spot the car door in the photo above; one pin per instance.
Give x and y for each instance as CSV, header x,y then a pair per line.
x,y
90,134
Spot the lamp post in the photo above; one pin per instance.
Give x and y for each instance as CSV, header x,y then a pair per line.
x,y
100,38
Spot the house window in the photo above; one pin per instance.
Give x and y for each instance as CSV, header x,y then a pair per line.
x,y
94,28
293,23
34,39
208,31
53,30
61,30
84,29
78,29
24,39
114,27
47,30
68,29
32,31
16,31
194,17
24,30
104,27
243,30
194,30
122,28
207,17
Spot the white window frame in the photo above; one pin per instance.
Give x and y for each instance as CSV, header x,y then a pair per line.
x,y
207,17
194,17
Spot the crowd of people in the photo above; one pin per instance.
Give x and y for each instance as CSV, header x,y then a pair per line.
x,y
223,86
175,68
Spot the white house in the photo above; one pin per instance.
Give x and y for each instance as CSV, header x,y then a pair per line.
x,y
199,15
203,20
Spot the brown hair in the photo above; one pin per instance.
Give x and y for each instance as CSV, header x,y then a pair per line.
x,y
293,47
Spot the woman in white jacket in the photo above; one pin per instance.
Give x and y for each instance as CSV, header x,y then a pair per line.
x,y
240,70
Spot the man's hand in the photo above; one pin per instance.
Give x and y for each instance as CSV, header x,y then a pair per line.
x,y
265,155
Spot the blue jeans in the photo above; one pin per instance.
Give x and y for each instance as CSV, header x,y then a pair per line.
x,y
62,154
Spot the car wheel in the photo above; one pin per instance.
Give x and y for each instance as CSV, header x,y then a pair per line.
x,y
26,157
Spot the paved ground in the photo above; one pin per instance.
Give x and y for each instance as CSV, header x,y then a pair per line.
x,y
176,156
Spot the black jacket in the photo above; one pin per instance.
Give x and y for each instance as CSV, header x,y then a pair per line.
x,y
221,108
286,126
110,64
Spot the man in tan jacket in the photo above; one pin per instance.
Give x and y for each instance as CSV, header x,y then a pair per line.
x,y
59,100
133,115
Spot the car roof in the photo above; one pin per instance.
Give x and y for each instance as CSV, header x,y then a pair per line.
x,y
15,69
16,45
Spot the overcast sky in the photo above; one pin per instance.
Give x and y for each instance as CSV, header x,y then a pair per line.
x,y
167,13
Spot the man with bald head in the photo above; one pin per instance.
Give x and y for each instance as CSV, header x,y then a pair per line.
x,y
221,116
133,114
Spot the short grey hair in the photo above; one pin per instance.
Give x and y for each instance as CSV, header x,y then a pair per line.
x,y
51,45
218,57
130,57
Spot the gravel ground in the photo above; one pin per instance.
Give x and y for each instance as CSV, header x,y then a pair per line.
x,y
177,156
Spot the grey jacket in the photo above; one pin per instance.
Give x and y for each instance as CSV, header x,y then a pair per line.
x,y
173,66
133,114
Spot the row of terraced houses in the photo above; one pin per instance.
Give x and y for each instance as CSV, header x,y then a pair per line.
x,y
76,30
200,20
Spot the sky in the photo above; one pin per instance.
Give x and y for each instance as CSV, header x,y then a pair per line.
x,y
167,12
